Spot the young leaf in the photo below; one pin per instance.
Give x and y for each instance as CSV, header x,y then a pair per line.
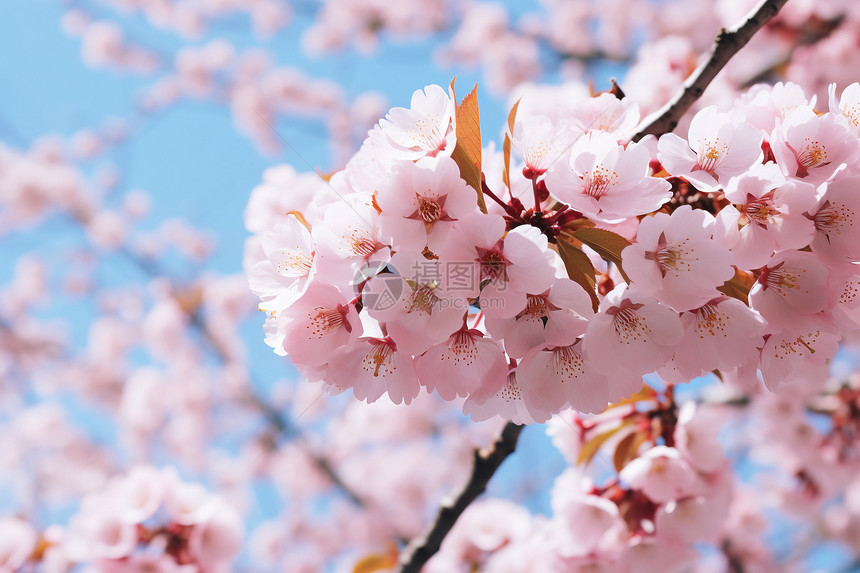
x,y
467,152
375,562
738,286
506,151
606,243
646,393
590,448
506,146
579,269
627,449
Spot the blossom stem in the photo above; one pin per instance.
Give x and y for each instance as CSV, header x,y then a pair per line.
x,y
488,192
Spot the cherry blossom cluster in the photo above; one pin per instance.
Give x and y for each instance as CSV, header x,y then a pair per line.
x,y
389,277
646,520
146,520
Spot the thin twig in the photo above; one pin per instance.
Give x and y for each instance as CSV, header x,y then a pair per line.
x,y
487,461
727,44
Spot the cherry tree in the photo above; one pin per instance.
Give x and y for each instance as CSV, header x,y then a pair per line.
x,y
659,278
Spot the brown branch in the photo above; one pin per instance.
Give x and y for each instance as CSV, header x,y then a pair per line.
x,y
727,44
487,461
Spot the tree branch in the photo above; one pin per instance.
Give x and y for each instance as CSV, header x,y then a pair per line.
x,y
487,461
727,44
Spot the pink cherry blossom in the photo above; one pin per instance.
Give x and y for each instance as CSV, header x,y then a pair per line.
x,y
541,143
844,291
421,202
792,282
607,113
218,540
555,317
837,221
766,215
675,259
505,267
721,335
140,494
799,350
98,534
427,129
696,438
694,519
467,364
846,108
372,367
812,147
662,474
349,245
510,403
282,276
606,181
588,523
317,324
765,106
718,150
416,304
17,541
562,374
632,334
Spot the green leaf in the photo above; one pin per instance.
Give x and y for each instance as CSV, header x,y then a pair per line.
x,y
467,152
605,243
579,269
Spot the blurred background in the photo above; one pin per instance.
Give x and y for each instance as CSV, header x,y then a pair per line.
x,y
132,133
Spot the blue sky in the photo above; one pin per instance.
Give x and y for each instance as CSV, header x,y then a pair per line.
x,y
191,159
193,162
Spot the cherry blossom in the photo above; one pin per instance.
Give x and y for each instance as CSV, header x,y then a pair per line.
x,y
541,143
792,282
636,331
421,202
283,274
607,181
318,323
846,108
718,150
675,259
18,540
834,220
511,403
561,375
467,364
682,310
802,348
812,147
372,367
767,214
555,317
663,475
720,335
507,266
426,129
